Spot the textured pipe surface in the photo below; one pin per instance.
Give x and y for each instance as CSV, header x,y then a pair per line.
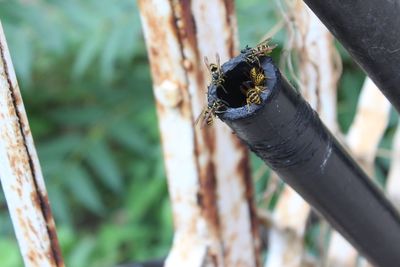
x,y
288,135
369,30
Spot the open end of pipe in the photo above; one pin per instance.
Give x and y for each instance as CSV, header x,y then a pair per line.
x,y
233,92
235,95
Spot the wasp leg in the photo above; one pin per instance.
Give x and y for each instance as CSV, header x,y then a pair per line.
x,y
223,88
248,104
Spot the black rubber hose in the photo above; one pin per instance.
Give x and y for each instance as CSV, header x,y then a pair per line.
x,y
370,32
288,135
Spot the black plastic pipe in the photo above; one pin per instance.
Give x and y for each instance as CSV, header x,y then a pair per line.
x,y
288,135
370,32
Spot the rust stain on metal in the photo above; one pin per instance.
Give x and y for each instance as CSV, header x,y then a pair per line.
x,y
230,13
51,230
17,189
32,228
159,37
35,200
40,201
32,256
208,184
243,169
181,63
161,58
165,66
214,259
199,199
21,218
186,24
207,195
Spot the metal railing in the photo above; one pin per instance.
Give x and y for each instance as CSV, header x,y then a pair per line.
x,y
215,218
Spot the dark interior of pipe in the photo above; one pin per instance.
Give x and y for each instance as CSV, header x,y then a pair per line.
x,y
233,82
234,79
237,73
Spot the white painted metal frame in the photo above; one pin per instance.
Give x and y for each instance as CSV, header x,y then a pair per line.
x,y
21,175
207,169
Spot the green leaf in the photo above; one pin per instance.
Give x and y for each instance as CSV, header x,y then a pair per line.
x,y
60,146
81,186
144,196
127,135
109,53
67,237
6,227
112,238
349,89
81,255
60,205
23,55
393,119
78,116
9,254
131,43
166,222
100,158
88,52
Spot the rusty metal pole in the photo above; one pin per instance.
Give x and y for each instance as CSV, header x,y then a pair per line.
x,y
211,193
21,176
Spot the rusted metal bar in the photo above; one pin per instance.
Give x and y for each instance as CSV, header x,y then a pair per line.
x,y
236,207
21,175
288,135
211,192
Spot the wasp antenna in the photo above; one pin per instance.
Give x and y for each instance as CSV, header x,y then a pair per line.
x,y
218,59
266,40
223,88
206,62
244,88
224,102
198,119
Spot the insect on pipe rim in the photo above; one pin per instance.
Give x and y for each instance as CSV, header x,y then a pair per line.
x,y
237,72
287,134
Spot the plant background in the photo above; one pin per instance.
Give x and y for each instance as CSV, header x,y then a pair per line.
x,y
86,85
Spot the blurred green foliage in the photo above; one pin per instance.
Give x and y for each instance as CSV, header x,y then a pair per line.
x,y
85,81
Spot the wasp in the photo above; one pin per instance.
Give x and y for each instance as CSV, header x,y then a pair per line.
x,y
254,87
208,114
261,49
257,77
217,77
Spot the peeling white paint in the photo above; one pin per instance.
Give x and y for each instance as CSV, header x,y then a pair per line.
x,y
21,176
180,80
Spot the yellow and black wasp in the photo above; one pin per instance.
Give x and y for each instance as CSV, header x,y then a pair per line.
x,y
217,77
207,116
254,87
262,49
